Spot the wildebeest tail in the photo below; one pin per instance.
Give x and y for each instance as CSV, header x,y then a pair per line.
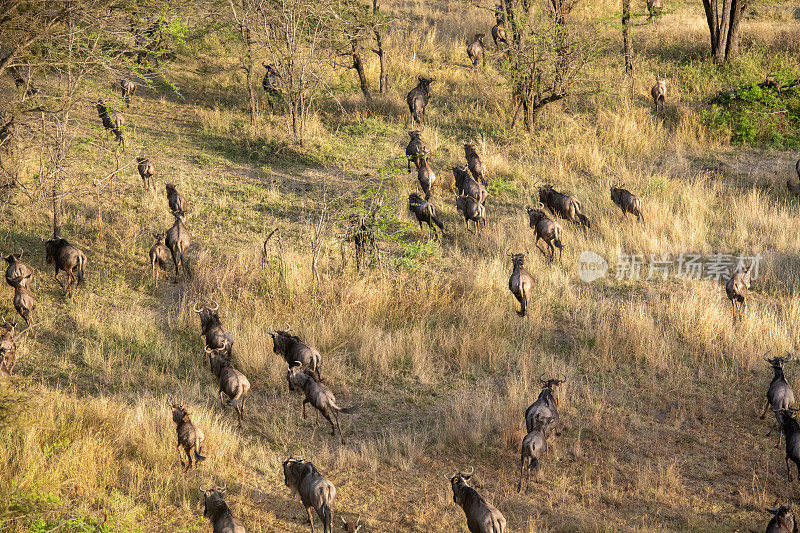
x,y
438,222
584,221
81,266
197,455
348,410
327,520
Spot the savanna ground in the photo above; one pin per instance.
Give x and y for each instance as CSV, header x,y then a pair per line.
x,y
662,392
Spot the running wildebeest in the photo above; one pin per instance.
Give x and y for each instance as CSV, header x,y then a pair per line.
x,y
533,446
627,202
417,100
659,93
18,273
68,258
351,527
791,434
472,210
294,351
425,177
563,205
426,212
779,394
482,517
545,408
190,437
476,50
24,303
177,240
794,189
318,395
176,201
159,257
146,171
467,186
783,520
737,288
272,86
112,121
474,163
216,509
315,491
8,349
231,382
216,337
416,149
128,87
521,282
546,229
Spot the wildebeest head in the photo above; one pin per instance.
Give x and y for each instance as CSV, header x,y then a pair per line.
x,y
783,515
52,247
171,188
179,413
517,259
180,216
535,215
414,135
160,238
294,471
458,482
616,194
551,385
778,361
661,84
545,191
351,527
13,258
208,317
214,503
479,37
282,340
470,150
296,376
425,83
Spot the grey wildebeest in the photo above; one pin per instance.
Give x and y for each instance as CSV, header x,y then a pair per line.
x,y
128,87
468,186
417,100
294,351
416,149
533,447
736,290
779,394
474,163
190,437
68,258
112,121
272,86
654,8
425,212
216,337
316,492
231,382
659,93
545,408
146,171
793,188
159,257
18,273
791,434
24,302
563,205
482,517
521,282
546,229
216,509
627,202
175,200
476,51
8,349
425,177
472,210
783,520
499,34
318,395
177,240
351,527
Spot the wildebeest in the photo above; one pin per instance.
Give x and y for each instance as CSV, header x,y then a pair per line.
x,y
627,202
272,86
425,212
112,121
315,491
18,273
779,394
190,437
474,163
177,240
472,210
159,257
737,288
351,527
318,395
654,8
146,171
231,382
68,258
476,50
215,336
216,509
521,282
425,177
24,302
8,349
482,517
793,188
783,520
294,351
545,408
563,205
659,93
416,149
499,34
468,186
128,87
23,80
791,434
176,201
417,100
546,229
533,446
8,128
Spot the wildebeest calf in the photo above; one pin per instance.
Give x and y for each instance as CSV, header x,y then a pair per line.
x,y
417,100
18,273
24,303
468,186
112,121
482,517
315,491
425,212
231,382
318,395
476,50
128,87
737,288
216,509
546,229
159,257
176,201
533,447
474,163
146,171
627,202
68,258
296,352
426,177
520,283
190,437
416,149
659,93
178,240
472,210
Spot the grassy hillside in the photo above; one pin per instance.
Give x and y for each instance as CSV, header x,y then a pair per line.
x,y
663,391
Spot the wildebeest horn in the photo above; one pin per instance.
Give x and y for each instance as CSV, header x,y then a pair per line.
x,y
196,310
471,471
541,378
216,306
565,378
21,253
508,254
203,489
288,327
540,205
208,349
343,520
791,356
765,357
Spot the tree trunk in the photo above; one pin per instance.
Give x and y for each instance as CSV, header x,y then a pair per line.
x,y
724,29
251,97
626,36
380,52
737,12
57,208
358,65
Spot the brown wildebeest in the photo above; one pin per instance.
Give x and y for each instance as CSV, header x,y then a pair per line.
x,y
783,520
472,210
416,149
533,446
177,240
546,229
176,201
627,202
794,188
18,273
563,205
216,509
545,408
351,527
112,121
8,349
159,257
476,50
294,351
128,87
417,100
318,395
779,394
425,212
521,282
24,303
482,517
499,34
654,8
659,93
68,258
189,435
737,288
467,186
426,177
146,171
272,86
474,163
231,382
211,329
316,492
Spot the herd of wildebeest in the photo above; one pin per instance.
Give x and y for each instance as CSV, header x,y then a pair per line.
x,y
304,362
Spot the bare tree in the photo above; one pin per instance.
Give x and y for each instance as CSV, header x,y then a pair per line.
x,y
244,16
723,27
626,36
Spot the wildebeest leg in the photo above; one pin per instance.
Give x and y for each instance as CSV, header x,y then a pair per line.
x,y
180,457
521,473
310,518
188,450
764,414
58,280
338,425
328,418
797,464
175,262
305,401
221,398
788,473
